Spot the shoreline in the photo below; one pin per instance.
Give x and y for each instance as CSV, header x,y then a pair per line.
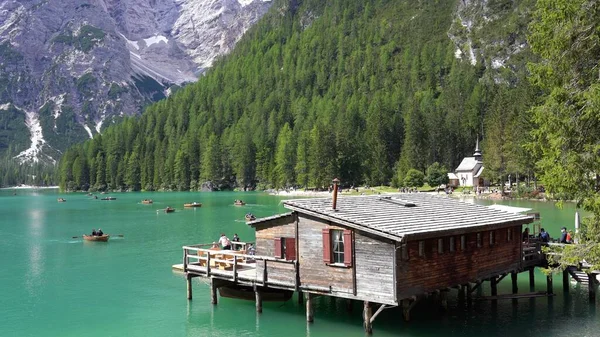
x,y
28,187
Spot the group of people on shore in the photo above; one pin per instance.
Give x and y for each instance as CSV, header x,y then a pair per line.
x,y
97,232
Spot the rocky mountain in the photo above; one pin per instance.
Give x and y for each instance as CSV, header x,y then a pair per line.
x,y
69,68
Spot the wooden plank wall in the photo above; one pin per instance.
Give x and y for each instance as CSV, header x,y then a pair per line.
x,y
374,268
265,235
313,271
419,275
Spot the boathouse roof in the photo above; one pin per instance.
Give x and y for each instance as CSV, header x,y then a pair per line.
x,y
407,216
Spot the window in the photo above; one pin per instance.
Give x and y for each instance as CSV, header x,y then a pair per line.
x,y
337,241
440,246
337,247
422,248
492,238
285,248
478,240
451,245
509,234
463,242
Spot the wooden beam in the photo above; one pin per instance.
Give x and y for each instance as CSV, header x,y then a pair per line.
x,y
258,297
513,278
309,308
367,315
188,281
513,296
213,291
565,280
379,310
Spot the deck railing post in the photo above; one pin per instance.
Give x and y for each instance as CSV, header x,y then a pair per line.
x,y
208,264
234,268
185,260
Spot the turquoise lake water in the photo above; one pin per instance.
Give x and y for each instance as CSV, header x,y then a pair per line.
x,y
52,284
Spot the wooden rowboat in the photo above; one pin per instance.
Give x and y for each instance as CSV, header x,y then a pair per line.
x,y
147,201
239,203
247,293
62,200
250,217
109,198
169,210
193,204
102,238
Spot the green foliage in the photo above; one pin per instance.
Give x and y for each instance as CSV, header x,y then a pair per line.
x,y
437,175
86,39
115,91
13,131
149,87
565,34
360,90
414,178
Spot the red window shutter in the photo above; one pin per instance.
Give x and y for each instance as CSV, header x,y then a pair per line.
x,y
290,248
278,248
348,243
327,245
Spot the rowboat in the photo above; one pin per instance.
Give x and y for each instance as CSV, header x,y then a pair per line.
x,y
109,198
250,217
239,203
247,293
193,204
169,210
147,201
102,238
61,200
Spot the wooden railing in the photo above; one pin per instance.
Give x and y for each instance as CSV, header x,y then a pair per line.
x,y
215,258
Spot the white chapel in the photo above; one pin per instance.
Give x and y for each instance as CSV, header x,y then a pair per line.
x,y
468,173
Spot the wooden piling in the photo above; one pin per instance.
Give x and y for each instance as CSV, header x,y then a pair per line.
x,y
309,308
300,298
258,297
513,278
349,305
549,287
406,306
592,287
532,278
494,286
213,291
444,299
461,292
367,314
469,294
565,280
188,281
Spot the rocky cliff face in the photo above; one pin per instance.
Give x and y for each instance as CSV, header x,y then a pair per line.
x,y
70,67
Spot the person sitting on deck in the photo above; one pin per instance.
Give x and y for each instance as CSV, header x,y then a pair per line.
x,y
250,250
569,237
215,245
544,236
224,241
563,235
99,232
94,233
526,235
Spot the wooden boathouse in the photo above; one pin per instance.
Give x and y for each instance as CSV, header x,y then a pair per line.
x,y
385,251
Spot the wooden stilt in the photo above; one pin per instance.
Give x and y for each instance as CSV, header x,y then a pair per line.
x,y
258,297
406,306
300,298
349,305
494,286
549,287
469,294
188,281
444,299
367,314
309,308
592,287
461,292
565,281
513,278
213,291
532,278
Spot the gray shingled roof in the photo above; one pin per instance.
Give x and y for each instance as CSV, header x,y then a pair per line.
x,y
412,215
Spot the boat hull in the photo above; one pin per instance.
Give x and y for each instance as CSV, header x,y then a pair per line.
x,y
247,293
193,205
103,238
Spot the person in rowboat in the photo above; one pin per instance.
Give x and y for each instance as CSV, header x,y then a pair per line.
x,y
94,233
99,232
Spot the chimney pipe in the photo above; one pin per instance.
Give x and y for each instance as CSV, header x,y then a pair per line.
x,y
336,181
